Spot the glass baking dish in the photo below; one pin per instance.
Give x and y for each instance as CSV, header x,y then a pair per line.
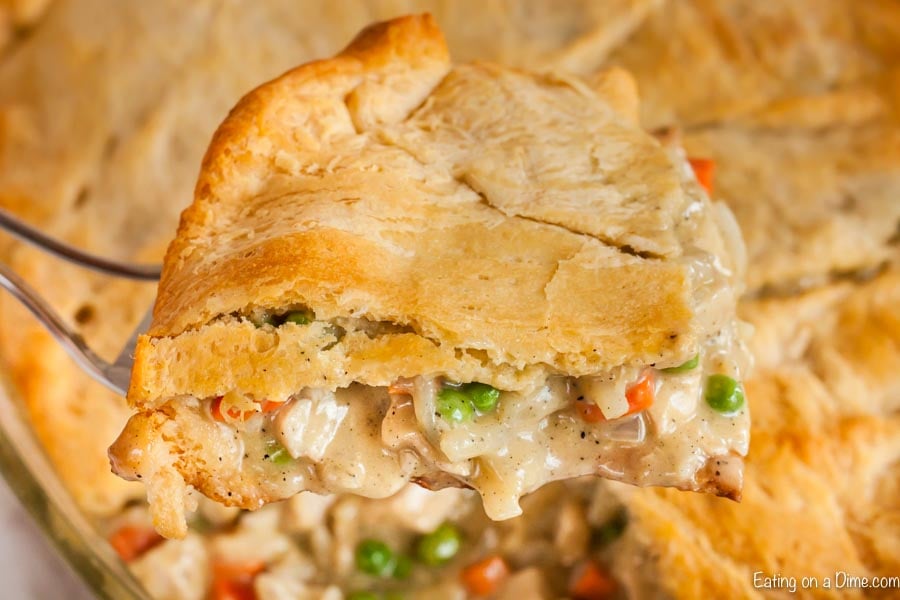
x,y
32,478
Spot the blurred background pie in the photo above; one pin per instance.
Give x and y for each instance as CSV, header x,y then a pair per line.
x,y
106,108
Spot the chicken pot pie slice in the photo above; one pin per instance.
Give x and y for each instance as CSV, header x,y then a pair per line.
x,y
396,269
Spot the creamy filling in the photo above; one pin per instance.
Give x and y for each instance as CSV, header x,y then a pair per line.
x,y
299,548
370,441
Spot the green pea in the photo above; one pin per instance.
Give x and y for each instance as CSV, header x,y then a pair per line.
x,y
403,567
684,367
375,558
724,394
362,596
280,456
484,397
612,529
454,406
277,453
439,546
300,317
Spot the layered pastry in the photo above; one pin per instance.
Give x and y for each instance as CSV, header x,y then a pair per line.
x,y
397,269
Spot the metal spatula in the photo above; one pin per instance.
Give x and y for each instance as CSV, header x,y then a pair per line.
x,y
114,375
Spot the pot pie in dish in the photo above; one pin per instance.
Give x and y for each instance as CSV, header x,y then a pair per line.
x,y
396,269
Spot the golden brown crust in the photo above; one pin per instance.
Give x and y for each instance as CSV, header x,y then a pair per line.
x,y
699,62
825,485
842,338
148,437
830,197
233,355
325,188
16,16
798,105
618,87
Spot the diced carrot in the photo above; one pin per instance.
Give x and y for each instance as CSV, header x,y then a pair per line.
x,y
589,411
215,408
485,576
704,171
226,589
589,581
234,581
229,570
266,406
131,541
640,393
